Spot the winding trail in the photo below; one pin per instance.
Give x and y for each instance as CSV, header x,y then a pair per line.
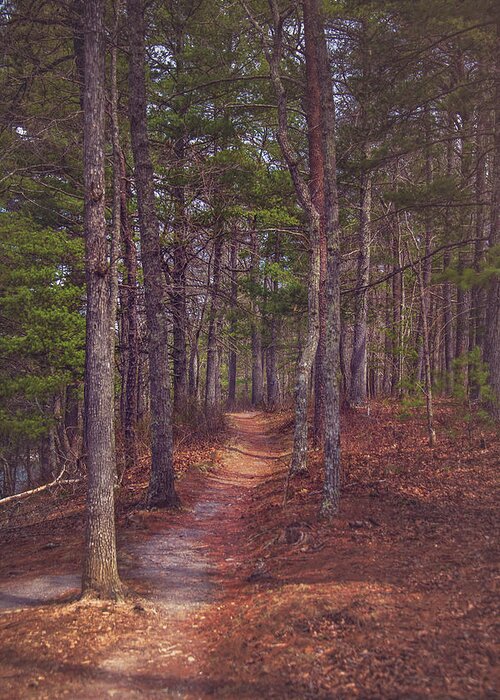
x,y
180,560
183,565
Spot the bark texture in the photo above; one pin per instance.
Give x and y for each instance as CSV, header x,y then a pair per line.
x,y
397,309
211,385
100,572
492,337
424,310
332,456
233,358
257,369
130,325
161,491
359,350
308,352
273,397
178,290
447,288
317,192
478,296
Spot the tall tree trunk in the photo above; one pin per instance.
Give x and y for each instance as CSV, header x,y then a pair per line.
x,y
492,335
194,354
427,263
435,338
332,463
232,361
123,333
161,491
308,351
257,370
307,355
387,342
359,358
100,572
398,305
447,288
478,296
272,349
462,326
271,365
116,224
193,368
464,261
426,353
218,360
212,350
359,350
178,291
343,363
448,327
130,411
180,257
317,193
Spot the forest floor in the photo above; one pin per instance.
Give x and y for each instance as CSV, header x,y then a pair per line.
x,y
240,595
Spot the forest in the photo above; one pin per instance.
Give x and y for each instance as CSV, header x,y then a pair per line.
x,y
249,348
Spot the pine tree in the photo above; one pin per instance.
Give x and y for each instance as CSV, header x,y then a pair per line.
x,y
100,570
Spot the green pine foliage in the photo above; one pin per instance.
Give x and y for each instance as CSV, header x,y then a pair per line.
x,y
42,325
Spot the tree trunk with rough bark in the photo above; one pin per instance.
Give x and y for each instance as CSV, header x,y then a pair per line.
x,y
116,225
100,572
257,370
420,373
161,490
397,309
427,263
461,378
317,193
193,369
271,365
359,350
448,327
464,295
131,339
273,55
308,352
332,457
492,334
233,358
447,288
178,290
178,298
387,342
272,346
426,354
211,402
478,296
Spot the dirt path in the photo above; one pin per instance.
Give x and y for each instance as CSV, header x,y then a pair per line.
x,y
244,598
182,565
186,567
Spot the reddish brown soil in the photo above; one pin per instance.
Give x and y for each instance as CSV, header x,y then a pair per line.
x,y
242,597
